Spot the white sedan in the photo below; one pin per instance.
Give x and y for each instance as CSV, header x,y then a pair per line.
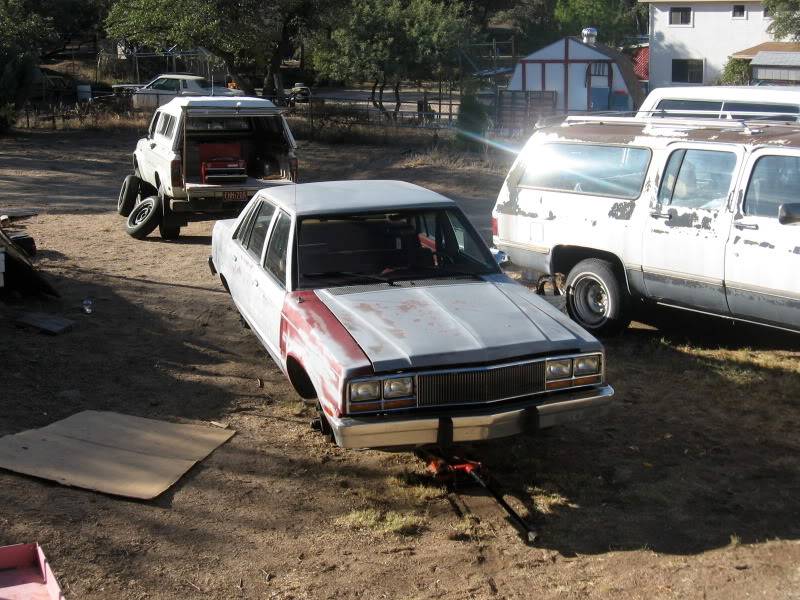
x,y
382,305
166,87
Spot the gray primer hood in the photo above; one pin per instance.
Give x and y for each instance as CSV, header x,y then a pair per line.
x,y
459,323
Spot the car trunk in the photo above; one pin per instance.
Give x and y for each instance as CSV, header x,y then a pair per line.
x,y
236,149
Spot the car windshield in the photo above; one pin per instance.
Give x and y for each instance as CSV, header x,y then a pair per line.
x,y
388,247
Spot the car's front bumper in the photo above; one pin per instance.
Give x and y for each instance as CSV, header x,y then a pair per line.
x,y
469,426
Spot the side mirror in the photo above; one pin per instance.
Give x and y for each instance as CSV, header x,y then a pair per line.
x,y
789,213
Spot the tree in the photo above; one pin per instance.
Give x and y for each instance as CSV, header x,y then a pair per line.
x,y
785,18
387,41
735,72
246,35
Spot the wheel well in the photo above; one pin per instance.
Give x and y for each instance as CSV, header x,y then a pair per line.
x,y
300,379
564,258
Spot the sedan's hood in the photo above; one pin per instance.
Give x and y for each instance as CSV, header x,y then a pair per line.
x,y
457,322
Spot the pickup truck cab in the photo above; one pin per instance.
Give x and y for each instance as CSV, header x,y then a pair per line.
x,y
382,305
697,214
204,158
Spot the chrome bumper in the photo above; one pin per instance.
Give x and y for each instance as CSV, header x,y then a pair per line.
x,y
463,426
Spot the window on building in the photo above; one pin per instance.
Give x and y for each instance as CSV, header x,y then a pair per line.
x,y
598,170
766,13
738,11
599,69
687,70
680,16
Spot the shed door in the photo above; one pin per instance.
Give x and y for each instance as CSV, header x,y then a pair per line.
x,y
599,98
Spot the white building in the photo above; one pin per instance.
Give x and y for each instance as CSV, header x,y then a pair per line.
x,y
584,74
690,42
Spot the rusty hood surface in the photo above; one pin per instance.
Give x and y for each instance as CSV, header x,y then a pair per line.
x,y
416,325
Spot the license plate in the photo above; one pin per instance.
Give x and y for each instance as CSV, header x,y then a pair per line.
x,y
238,196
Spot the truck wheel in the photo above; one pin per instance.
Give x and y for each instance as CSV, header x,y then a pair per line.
x,y
596,299
169,232
144,218
128,194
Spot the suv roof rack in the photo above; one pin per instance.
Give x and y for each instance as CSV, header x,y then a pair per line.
x,y
748,127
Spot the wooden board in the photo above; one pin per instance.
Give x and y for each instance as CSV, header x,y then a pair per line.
x,y
111,453
52,324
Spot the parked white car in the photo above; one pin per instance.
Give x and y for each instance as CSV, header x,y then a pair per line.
x,y
383,305
202,159
773,103
166,87
701,215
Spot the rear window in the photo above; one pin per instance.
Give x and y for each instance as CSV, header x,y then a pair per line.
x,y
754,110
616,171
218,124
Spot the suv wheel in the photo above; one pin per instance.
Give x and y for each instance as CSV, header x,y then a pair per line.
x,y
596,299
128,194
169,232
144,218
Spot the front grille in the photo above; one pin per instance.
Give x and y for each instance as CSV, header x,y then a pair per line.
x,y
475,386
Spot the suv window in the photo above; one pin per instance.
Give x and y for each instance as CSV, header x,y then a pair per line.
x,y
617,171
275,261
167,126
697,179
774,181
260,227
154,124
696,108
754,110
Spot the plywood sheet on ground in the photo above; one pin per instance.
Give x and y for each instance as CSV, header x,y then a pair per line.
x,y
110,452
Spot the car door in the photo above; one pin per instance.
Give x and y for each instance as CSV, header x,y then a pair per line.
x,y
270,284
685,232
161,148
147,161
246,257
762,265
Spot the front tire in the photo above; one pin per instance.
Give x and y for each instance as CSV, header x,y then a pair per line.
x,y
169,232
596,299
144,218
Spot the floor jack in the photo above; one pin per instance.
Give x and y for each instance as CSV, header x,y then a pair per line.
x,y
452,468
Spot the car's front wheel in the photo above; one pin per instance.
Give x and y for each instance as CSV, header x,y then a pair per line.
x,y
144,218
596,299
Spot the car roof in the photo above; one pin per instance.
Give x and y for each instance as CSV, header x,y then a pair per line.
x,y
178,76
744,93
659,132
180,102
336,197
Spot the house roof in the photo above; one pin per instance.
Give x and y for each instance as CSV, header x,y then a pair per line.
x,y
336,197
749,53
776,59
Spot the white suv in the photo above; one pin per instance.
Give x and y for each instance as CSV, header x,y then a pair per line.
x,y
701,215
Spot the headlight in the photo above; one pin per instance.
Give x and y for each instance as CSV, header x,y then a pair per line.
x,y
398,387
365,390
559,369
587,365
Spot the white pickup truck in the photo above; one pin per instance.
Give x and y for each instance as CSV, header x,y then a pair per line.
x,y
697,214
204,158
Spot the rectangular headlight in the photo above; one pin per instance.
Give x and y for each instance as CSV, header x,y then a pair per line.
x,y
587,365
558,368
398,387
363,391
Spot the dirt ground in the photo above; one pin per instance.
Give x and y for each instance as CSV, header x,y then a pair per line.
x,y
688,489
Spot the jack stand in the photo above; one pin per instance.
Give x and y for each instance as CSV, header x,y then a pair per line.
x,y
450,468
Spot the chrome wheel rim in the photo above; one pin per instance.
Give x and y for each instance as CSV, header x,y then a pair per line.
x,y
142,212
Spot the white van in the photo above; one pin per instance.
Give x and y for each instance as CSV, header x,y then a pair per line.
x,y
701,215
774,103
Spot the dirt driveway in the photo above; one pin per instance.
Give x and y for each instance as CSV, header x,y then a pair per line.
x,y
688,489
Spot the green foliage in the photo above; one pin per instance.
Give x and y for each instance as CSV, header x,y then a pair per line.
x,y
735,72
785,18
8,114
391,40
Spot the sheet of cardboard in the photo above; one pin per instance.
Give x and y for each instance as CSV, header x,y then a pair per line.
x,y
110,452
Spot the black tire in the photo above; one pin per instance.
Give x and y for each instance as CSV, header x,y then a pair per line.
x,y
144,218
128,195
169,232
596,298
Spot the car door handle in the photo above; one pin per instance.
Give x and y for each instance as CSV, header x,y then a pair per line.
x,y
152,145
741,226
659,215
255,282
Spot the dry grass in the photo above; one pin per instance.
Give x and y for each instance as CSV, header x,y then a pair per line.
x,y
444,156
98,120
371,519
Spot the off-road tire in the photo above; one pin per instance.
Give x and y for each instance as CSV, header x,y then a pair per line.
x,y
128,195
169,232
596,298
144,218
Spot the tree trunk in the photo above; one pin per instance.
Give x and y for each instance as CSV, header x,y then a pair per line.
x,y
273,82
234,69
381,107
396,100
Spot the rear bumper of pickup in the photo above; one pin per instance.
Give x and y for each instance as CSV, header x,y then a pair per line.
x,y
469,426
220,198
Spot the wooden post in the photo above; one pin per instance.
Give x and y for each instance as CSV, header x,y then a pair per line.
x,y
450,102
